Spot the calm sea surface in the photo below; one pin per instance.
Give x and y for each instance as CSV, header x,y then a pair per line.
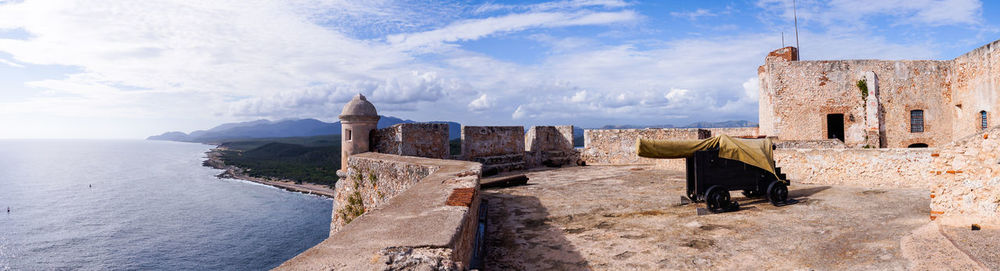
x,y
152,206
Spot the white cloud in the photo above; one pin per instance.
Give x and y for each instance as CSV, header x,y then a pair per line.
x,y
546,6
751,88
10,63
484,102
693,15
478,28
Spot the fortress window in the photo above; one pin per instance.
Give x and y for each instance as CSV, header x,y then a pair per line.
x,y
917,121
917,145
982,120
348,135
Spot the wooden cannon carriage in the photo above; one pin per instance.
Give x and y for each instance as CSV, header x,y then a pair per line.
x,y
721,164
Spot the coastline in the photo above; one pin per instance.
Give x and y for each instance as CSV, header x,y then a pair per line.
x,y
214,160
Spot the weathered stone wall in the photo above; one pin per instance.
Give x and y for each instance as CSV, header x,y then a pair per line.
x,y
966,180
484,141
800,94
618,146
413,139
370,183
810,144
549,138
795,97
976,85
418,213
735,131
885,168
550,146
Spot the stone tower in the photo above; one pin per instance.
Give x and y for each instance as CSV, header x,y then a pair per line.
x,y
357,120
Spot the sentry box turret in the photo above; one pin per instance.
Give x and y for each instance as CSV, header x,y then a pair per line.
x,y
721,164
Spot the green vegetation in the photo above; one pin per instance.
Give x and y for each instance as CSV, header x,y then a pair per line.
x,y
303,159
455,146
863,86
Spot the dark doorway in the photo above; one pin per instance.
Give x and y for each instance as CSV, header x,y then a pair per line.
x,y
835,126
917,145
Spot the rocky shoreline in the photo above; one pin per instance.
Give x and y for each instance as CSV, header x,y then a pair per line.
x,y
214,160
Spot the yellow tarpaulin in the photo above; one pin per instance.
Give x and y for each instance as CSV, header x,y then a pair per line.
x,y
754,152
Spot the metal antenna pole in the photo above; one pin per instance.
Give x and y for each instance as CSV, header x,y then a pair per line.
x,y
795,17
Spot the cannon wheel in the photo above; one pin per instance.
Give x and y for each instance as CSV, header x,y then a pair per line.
x,y
717,198
777,193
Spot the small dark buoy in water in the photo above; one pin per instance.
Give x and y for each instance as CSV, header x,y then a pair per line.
x,y
90,185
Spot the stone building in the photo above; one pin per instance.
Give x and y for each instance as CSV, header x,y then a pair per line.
x,y
879,103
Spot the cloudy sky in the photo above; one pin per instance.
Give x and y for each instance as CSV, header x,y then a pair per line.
x,y
129,69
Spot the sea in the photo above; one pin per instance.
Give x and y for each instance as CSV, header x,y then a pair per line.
x,y
143,205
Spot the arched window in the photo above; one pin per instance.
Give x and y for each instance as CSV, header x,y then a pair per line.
x,y
917,121
917,145
982,120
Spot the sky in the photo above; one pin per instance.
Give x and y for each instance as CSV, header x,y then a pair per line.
x,y
130,69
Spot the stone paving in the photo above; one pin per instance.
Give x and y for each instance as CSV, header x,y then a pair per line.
x,y
623,217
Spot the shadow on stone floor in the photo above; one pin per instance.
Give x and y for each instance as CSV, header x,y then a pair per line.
x,y
795,196
519,236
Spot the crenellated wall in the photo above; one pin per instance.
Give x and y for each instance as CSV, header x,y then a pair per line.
x,y
413,139
550,146
485,141
415,213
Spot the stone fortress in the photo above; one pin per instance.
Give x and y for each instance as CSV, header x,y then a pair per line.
x,y
403,199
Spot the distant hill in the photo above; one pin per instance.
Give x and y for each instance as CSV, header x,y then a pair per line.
x,y
722,124
277,129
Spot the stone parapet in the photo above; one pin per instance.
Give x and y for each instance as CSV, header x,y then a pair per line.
x,y
408,216
484,141
413,139
875,168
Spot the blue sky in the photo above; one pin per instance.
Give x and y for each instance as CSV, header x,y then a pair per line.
x,y
129,69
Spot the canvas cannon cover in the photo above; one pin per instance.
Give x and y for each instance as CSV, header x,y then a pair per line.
x,y
754,152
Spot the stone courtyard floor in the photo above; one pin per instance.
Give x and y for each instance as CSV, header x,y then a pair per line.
x,y
626,217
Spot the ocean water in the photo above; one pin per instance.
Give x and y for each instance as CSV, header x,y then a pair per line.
x,y
143,205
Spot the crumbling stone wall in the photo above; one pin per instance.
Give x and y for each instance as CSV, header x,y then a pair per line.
x,y
484,141
810,144
550,146
735,131
618,146
883,168
413,139
549,138
429,224
370,183
966,180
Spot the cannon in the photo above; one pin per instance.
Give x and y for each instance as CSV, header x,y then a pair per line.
x,y
720,164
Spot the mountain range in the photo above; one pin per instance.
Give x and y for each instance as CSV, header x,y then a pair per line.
x,y
282,128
